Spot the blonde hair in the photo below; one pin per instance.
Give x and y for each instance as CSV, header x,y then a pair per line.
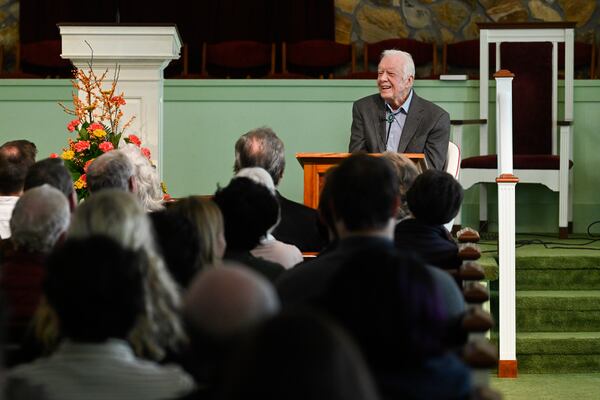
x,y
117,215
407,172
207,217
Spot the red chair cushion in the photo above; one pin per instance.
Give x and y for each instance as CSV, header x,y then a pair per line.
x,y
527,161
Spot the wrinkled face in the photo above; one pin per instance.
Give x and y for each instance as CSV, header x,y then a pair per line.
x,y
393,87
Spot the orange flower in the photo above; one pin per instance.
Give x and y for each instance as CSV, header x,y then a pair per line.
x,y
119,100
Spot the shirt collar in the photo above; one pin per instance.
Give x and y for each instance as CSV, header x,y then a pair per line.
x,y
404,106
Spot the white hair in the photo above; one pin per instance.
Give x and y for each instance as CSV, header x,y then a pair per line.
x,y
149,192
262,177
258,175
40,216
408,64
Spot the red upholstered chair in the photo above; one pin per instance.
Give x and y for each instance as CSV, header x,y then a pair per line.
x,y
316,59
536,157
238,59
463,58
584,60
43,58
424,56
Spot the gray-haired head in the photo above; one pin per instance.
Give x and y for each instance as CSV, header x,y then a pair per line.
x,y
40,217
148,189
112,170
116,214
51,171
225,301
408,65
261,148
258,175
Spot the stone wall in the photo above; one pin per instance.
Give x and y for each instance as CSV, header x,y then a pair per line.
x,y
448,21
9,31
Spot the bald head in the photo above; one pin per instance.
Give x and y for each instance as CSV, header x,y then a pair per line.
x,y
224,301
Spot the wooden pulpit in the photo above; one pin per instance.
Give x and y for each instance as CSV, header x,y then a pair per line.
x,y
316,164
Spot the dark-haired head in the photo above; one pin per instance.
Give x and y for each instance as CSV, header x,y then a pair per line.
x,y
51,171
95,287
390,304
435,197
179,244
249,210
13,169
298,356
364,191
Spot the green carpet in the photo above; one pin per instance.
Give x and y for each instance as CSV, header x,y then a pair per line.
x,y
549,387
557,305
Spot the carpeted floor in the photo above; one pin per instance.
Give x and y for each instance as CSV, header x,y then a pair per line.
x,y
549,387
557,307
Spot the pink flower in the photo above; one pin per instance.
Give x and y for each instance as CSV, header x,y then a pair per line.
x,y
135,140
106,146
95,126
81,145
53,155
146,152
73,125
87,164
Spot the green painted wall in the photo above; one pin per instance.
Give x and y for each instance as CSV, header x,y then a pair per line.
x,y
203,119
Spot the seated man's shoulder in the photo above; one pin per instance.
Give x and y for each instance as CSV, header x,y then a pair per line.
x,y
290,205
373,99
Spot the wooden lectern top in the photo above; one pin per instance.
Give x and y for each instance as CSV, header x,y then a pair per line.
x,y
316,164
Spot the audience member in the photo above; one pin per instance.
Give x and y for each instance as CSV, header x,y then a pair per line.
x,y
118,215
179,243
270,248
112,170
148,188
221,305
97,304
16,157
40,218
364,201
26,149
249,210
206,215
301,357
407,172
396,313
52,171
434,199
326,213
299,224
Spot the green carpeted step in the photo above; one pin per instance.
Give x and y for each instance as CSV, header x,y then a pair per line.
x,y
558,352
558,273
555,311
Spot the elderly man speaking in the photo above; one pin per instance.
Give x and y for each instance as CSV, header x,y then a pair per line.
x,y
397,119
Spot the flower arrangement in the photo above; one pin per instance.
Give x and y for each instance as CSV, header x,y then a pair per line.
x,y
97,125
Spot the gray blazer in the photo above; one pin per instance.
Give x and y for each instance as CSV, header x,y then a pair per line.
x,y
426,130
